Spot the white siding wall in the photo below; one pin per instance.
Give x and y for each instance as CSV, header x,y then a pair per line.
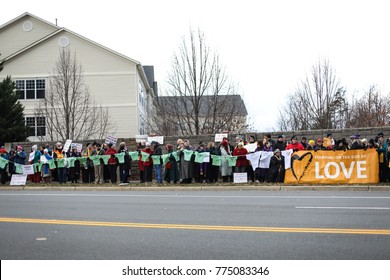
x,y
111,79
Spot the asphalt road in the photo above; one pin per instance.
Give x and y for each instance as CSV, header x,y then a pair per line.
x,y
166,225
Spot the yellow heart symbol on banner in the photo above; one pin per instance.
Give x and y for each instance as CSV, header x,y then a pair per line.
x,y
299,164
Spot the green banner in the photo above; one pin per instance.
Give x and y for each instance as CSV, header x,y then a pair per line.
x,y
231,160
216,160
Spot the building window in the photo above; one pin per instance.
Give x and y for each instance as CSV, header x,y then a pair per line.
x,y
36,126
30,89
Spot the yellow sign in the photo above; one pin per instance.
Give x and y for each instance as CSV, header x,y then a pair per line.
x,y
333,167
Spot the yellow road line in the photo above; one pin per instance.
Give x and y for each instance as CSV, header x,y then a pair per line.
x,y
200,227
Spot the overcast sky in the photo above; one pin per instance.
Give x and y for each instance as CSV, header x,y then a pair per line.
x,y
268,47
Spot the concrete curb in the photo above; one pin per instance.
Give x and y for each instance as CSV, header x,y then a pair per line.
x,y
238,187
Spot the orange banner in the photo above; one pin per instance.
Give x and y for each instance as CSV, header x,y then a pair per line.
x,y
333,167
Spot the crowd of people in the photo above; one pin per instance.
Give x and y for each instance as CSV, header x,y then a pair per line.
x,y
177,163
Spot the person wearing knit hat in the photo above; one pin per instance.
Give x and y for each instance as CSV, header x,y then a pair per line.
x,y
280,143
295,145
20,156
311,145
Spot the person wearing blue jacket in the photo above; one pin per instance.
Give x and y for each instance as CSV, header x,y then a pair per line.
x,y
20,156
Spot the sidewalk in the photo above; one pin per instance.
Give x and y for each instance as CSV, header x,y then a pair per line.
x,y
194,187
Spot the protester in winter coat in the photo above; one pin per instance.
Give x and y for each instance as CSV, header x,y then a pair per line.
x,y
59,154
341,145
88,169
241,162
20,155
226,170
124,168
280,144
311,145
171,169
112,162
98,165
140,147
157,151
276,169
34,158
46,172
74,171
320,145
186,167
148,165
212,171
295,145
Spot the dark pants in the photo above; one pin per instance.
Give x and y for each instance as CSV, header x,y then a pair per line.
x,y
61,175
4,175
148,173
124,173
113,173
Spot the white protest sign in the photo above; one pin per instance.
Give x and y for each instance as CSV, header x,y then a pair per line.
x,y
139,138
28,169
31,156
219,137
251,147
240,177
18,180
159,139
207,157
111,139
78,146
67,145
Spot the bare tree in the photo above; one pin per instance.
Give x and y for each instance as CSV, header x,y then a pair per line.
x,y
200,98
371,110
318,103
69,109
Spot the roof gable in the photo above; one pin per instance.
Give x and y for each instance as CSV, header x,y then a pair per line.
x,y
21,32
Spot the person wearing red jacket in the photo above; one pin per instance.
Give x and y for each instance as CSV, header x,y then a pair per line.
x,y
148,165
295,145
241,162
112,162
